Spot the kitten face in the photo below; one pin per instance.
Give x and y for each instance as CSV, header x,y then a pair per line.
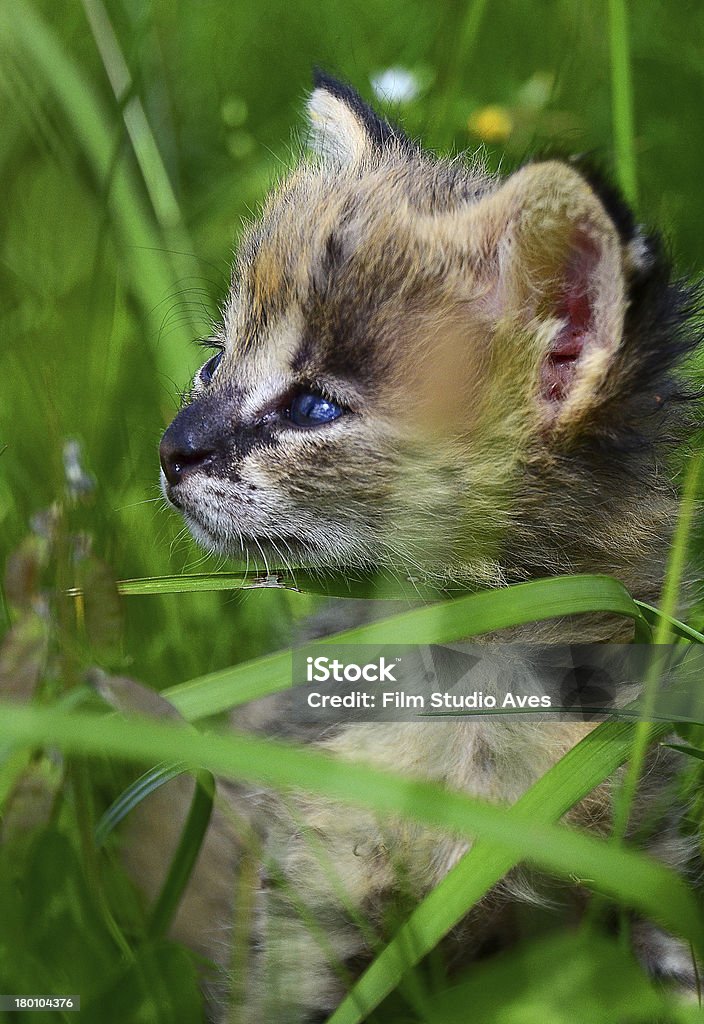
x,y
340,305
404,342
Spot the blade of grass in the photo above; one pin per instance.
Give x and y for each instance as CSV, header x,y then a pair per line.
x,y
365,586
622,100
192,835
439,623
634,879
583,768
690,751
186,855
463,42
653,615
152,780
144,144
675,568
30,40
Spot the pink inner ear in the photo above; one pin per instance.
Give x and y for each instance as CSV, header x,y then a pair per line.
x,y
560,364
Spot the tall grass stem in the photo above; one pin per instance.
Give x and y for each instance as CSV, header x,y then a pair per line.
x,y
622,100
663,635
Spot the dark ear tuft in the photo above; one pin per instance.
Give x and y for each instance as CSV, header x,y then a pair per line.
x,y
378,130
610,195
344,126
663,328
639,249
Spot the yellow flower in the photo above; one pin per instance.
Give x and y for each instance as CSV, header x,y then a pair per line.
x,y
491,124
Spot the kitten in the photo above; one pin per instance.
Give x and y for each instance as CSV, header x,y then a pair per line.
x,y
435,372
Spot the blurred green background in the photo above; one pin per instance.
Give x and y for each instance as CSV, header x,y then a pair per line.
x,y
136,137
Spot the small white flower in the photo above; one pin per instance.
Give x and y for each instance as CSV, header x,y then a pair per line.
x,y
395,85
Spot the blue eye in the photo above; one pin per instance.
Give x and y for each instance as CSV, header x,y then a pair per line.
x,y
310,410
207,371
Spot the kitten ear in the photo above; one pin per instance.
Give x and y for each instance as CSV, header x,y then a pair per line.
x,y
344,129
559,278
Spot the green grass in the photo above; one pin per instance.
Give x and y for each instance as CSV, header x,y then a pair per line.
x,y
622,100
136,139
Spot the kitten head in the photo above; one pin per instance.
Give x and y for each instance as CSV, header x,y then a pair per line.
x,y
420,365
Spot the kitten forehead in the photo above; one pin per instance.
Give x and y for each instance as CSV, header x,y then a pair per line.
x,y
263,371
323,232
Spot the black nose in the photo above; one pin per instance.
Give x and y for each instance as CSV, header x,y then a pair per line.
x,y
187,445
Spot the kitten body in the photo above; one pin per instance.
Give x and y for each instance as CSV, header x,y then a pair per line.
x,y
438,373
